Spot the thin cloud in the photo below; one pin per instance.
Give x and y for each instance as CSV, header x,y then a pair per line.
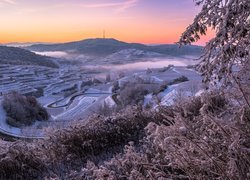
x,y
120,6
127,4
8,1
102,5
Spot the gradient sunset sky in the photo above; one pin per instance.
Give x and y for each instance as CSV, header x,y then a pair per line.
x,y
144,21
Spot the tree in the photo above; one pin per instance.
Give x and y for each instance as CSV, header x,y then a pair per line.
x,y
230,48
108,77
22,110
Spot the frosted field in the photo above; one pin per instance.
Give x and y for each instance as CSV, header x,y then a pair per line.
x,y
85,100
77,110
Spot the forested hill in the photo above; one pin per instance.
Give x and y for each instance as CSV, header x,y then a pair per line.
x,y
18,56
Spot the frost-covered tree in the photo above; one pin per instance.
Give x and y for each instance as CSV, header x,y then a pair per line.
x,y
228,52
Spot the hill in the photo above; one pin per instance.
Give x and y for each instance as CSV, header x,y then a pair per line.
x,y
105,47
18,56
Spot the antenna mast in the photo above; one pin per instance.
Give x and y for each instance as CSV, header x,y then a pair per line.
x,y
104,34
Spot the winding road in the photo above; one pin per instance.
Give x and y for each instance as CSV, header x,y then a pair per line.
x,y
76,110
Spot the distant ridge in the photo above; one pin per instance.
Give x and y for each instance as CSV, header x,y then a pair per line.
x,y
104,47
18,44
18,56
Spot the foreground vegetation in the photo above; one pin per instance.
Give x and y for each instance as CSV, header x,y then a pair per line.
x,y
200,144
204,137
194,140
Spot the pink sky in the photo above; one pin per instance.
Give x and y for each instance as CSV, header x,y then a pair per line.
x,y
143,21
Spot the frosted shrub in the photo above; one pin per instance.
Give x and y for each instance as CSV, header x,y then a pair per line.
x,y
133,94
230,47
23,110
202,143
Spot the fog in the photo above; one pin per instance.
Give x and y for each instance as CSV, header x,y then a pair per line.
x,y
153,63
56,54
140,64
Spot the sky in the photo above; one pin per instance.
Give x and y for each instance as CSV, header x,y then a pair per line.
x,y
142,21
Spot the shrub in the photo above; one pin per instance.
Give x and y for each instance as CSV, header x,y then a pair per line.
x,y
164,69
163,87
20,160
115,86
66,150
107,110
133,94
198,146
23,110
179,80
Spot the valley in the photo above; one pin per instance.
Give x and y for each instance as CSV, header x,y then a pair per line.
x,y
71,93
83,83
127,89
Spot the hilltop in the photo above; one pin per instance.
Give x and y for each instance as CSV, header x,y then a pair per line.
x,y
104,47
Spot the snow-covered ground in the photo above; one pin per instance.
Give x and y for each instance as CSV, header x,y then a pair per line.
x,y
97,91
179,92
129,55
76,108
110,101
31,132
168,95
148,99
76,111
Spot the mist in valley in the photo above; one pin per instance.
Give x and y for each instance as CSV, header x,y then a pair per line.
x,y
124,89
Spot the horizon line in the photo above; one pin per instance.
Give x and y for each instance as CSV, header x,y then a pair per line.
x,y
62,42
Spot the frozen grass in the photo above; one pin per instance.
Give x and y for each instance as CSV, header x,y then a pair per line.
x,y
67,149
203,138
203,143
